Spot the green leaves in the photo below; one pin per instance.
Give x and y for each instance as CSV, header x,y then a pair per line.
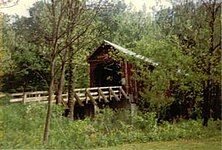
x,y
181,40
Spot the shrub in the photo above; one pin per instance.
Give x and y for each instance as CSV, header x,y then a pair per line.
x,y
146,122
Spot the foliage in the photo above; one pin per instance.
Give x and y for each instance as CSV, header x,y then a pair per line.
x,y
23,125
196,24
121,25
185,44
25,68
157,81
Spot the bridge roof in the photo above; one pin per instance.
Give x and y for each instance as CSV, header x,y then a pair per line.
x,y
127,52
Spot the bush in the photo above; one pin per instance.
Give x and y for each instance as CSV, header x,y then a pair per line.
x,y
146,122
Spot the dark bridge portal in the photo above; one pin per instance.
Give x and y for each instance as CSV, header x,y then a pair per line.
x,y
107,74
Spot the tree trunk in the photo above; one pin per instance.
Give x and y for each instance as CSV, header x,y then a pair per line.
x,y
206,103
50,98
71,87
212,9
61,85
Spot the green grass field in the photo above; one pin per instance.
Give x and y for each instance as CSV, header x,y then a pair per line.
x,y
214,143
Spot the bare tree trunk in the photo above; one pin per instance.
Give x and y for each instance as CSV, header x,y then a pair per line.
x,y
50,98
61,85
71,87
207,102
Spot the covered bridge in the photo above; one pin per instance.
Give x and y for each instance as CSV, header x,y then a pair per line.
x,y
108,67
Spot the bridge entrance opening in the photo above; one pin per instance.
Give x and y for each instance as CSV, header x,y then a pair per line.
x,y
107,74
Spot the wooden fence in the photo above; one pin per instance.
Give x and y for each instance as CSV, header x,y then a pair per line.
x,y
84,94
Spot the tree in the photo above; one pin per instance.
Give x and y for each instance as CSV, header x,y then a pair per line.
x,y
122,25
63,23
1,44
156,81
25,64
199,38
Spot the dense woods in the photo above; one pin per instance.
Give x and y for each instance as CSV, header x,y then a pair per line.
x,y
48,51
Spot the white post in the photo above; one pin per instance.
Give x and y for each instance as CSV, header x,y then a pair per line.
x,y
24,97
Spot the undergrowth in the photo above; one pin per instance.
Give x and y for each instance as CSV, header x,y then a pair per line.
x,y
22,128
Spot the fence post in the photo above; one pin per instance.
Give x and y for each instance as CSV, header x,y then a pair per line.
x,y
109,88
24,97
39,97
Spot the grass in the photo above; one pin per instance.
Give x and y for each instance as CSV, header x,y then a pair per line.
x,y
213,143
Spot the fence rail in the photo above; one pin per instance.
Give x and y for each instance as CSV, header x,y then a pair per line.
x,y
93,94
